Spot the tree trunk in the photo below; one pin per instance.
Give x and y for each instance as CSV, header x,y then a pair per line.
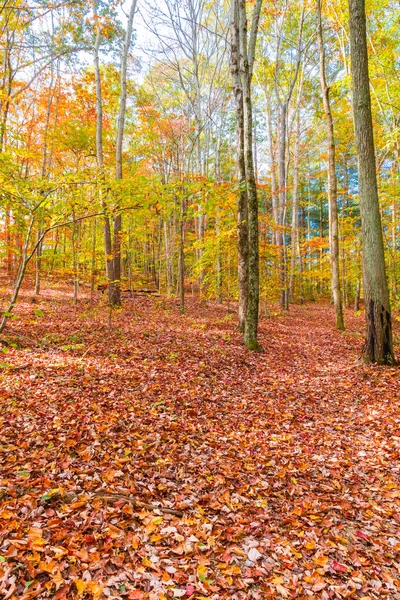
x,y
115,287
273,173
242,216
38,266
379,343
280,237
251,320
93,261
108,250
181,261
332,183
295,208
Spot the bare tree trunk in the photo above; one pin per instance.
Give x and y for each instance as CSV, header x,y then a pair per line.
x,y
379,342
38,266
115,288
181,260
75,260
247,56
219,257
242,216
281,242
93,262
332,183
273,173
357,297
108,250
295,208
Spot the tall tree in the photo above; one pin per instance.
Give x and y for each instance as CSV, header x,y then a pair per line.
x,y
242,211
379,343
242,61
332,182
115,298
112,227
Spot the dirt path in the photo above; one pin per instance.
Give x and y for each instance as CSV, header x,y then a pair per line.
x,y
285,463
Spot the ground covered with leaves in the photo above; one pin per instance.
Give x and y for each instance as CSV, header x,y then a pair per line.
x,y
284,464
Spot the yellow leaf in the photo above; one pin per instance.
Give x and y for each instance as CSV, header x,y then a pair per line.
x,y
310,544
95,588
80,586
322,561
201,571
57,579
147,562
295,552
157,520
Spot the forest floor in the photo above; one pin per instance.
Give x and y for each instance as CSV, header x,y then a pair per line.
x,y
285,464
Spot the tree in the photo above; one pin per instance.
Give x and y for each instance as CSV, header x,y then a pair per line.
x,y
112,228
379,343
332,183
242,61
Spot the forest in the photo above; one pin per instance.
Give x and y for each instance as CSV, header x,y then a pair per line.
x,y
200,299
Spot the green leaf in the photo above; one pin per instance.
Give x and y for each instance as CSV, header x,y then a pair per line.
x,y
38,312
23,473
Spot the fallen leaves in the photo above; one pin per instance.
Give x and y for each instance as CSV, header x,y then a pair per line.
x,y
285,484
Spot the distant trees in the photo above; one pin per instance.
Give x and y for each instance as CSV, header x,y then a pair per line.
x,y
209,172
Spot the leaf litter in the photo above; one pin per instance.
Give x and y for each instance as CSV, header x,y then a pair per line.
x,y
283,466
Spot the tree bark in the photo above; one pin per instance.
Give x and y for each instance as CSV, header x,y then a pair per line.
x,y
242,216
246,64
115,288
108,250
379,343
280,236
295,208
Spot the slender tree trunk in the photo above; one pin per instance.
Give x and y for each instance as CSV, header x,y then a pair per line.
x,y
75,261
38,265
115,289
93,262
251,320
295,209
108,250
357,297
273,173
281,242
181,260
332,182
242,216
379,343
219,257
